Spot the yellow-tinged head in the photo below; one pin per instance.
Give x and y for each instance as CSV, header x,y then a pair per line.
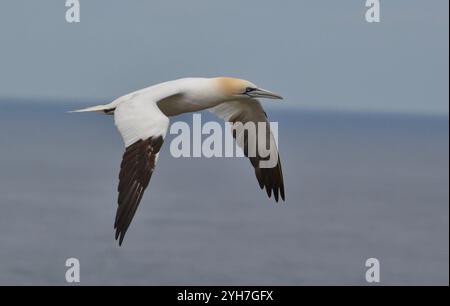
x,y
238,88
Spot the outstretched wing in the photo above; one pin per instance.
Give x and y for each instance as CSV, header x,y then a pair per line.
x,y
143,127
270,178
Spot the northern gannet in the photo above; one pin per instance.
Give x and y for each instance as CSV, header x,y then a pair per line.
x,y
142,118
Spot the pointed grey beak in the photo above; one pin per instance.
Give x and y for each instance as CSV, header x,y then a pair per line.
x,y
262,93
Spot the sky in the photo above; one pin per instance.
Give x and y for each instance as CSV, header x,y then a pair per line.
x,y
317,54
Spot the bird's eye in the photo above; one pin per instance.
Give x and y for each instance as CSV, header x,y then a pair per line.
x,y
249,89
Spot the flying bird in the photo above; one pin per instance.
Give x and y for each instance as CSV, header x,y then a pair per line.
x,y
142,118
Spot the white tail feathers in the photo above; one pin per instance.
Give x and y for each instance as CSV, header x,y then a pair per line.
x,y
106,109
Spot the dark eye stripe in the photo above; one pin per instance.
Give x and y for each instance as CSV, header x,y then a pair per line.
x,y
249,89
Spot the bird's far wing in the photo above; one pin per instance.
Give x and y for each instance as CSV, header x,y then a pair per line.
x,y
270,178
143,128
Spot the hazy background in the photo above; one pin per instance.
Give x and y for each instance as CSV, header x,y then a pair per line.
x,y
363,138
319,54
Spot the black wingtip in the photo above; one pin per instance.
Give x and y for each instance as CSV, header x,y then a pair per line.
x,y
119,235
138,163
269,191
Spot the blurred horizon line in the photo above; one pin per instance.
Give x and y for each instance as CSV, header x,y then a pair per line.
x,y
277,107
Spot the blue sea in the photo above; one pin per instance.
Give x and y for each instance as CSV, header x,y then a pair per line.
x,y
358,186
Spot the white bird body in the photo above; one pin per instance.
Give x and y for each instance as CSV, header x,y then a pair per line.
x,y
198,94
142,118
